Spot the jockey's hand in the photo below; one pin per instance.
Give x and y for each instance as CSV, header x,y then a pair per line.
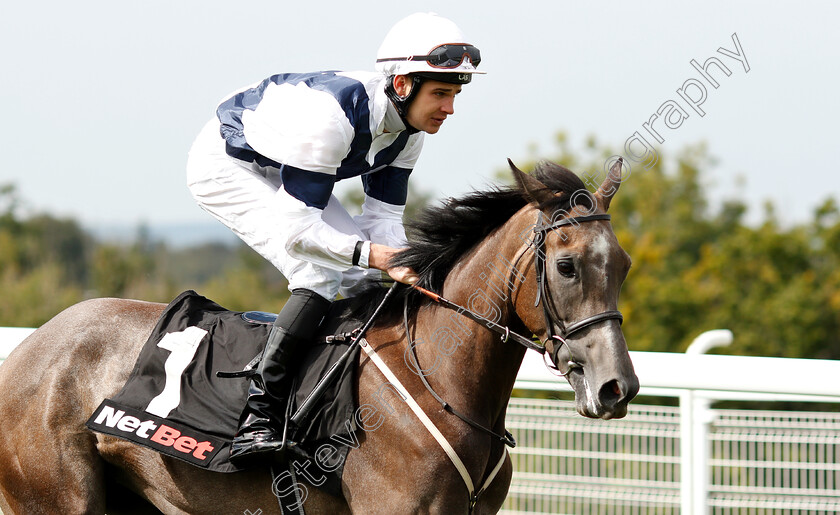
x,y
380,258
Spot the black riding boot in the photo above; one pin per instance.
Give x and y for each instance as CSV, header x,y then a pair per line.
x,y
261,422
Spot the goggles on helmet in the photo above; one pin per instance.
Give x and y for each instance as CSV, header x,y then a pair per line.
x,y
444,56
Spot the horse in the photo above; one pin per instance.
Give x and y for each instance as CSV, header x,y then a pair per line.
x,y
537,258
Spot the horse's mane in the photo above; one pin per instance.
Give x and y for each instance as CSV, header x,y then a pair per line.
x,y
441,235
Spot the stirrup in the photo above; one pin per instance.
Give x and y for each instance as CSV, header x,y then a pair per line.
x,y
285,442
253,452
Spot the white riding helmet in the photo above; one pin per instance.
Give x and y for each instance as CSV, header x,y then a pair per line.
x,y
426,44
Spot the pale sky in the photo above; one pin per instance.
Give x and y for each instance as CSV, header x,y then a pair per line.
x,y
102,99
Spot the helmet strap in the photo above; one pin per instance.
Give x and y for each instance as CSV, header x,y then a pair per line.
x,y
402,103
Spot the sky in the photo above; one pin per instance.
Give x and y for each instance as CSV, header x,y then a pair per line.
x,y
103,99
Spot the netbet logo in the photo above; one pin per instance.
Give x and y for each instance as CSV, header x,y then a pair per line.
x,y
160,434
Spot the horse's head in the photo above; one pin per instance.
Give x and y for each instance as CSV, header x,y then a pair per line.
x,y
579,267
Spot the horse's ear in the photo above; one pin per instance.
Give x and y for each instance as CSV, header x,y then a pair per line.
x,y
533,188
610,185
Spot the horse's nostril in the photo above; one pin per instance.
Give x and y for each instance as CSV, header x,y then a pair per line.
x,y
610,393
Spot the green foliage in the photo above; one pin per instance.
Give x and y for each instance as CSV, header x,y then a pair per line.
x,y
30,299
42,263
247,284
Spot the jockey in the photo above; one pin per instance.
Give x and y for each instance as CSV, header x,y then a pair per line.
x,y
266,165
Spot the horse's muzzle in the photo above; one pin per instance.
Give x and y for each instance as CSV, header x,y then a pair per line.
x,y
605,399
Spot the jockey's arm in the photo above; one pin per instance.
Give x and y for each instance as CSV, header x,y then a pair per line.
x,y
310,238
382,213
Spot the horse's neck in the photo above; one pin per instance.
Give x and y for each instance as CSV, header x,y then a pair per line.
x,y
467,361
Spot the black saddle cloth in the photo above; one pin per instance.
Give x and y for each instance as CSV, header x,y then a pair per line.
x,y
207,407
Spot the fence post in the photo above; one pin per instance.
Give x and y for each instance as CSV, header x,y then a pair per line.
x,y
687,458
695,476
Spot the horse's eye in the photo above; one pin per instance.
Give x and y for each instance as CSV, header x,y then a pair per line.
x,y
566,268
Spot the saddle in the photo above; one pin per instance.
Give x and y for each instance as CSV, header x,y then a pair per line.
x,y
189,385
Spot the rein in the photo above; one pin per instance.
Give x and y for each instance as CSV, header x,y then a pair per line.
x,y
507,438
504,331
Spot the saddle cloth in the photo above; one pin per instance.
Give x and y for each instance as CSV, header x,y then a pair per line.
x,y
173,401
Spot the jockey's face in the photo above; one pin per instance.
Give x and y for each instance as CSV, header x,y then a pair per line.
x,y
433,103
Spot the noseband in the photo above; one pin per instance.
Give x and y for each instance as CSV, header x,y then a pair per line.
x,y
555,329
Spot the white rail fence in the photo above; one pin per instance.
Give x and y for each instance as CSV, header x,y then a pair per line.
x,y
687,458
10,337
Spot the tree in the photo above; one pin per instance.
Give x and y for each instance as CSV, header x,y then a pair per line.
x,y
42,263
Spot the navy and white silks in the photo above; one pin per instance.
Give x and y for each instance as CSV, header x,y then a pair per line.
x,y
266,165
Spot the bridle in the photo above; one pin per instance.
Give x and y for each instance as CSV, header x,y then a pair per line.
x,y
554,328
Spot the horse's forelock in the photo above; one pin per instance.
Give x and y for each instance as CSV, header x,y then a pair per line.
x,y
572,191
